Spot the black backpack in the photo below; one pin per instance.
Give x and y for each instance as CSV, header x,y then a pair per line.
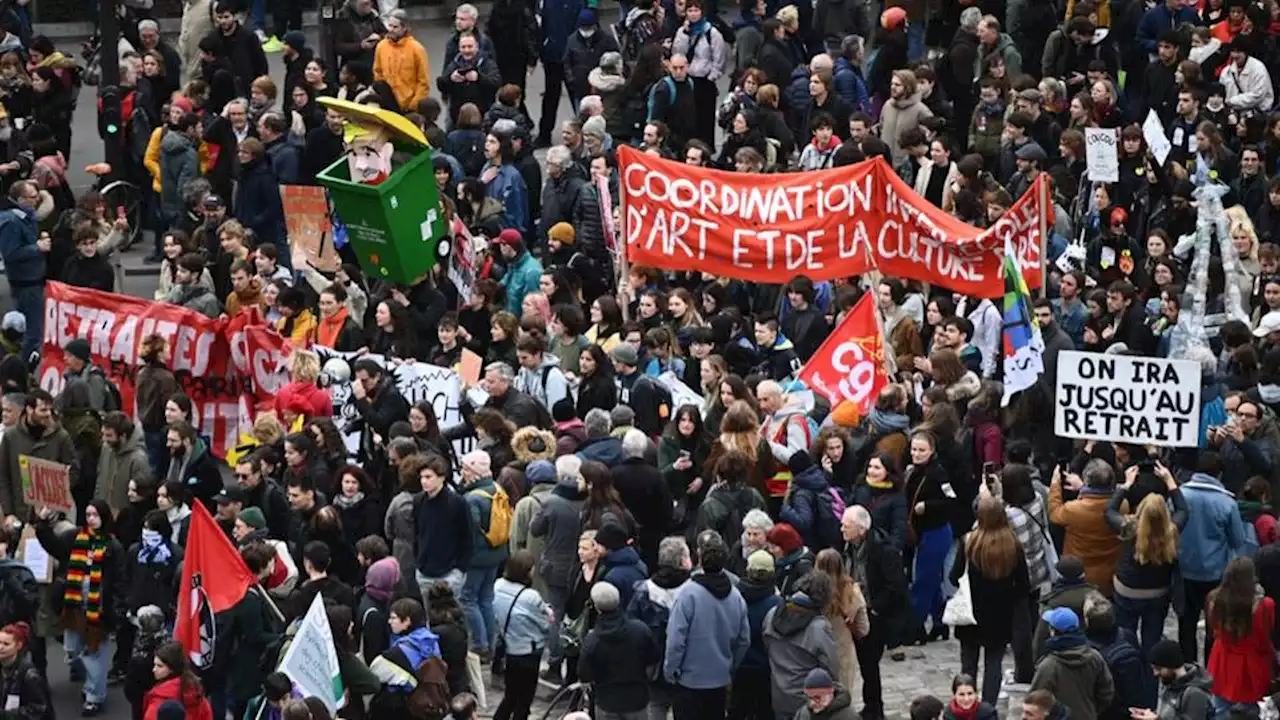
x,y
733,517
113,400
19,593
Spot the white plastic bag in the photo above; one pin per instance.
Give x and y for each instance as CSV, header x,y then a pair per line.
x,y
959,609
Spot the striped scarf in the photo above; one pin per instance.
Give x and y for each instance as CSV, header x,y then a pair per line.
x,y
87,553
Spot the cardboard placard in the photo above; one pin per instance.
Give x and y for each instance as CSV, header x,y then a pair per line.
x,y
306,215
32,554
46,484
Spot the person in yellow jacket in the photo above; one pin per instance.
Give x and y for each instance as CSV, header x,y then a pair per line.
x,y
151,159
401,62
297,323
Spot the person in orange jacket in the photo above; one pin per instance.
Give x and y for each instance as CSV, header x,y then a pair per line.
x,y
401,61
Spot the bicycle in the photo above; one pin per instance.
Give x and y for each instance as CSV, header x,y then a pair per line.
x,y
572,698
123,199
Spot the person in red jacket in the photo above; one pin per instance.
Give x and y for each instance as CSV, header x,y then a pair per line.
x,y
1243,656
302,396
175,681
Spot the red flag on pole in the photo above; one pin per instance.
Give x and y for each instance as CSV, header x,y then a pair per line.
x,y
214,579
849,366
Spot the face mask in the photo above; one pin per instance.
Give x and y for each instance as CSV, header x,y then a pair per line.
x,y
587,32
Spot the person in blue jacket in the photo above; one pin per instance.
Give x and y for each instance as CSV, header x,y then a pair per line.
x,y
847,77
621,564
523,270
24,254
803,506
1213,535
257,200
1168,15
503,182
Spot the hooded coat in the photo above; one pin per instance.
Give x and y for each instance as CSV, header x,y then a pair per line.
x,y
193,701
558,523
708,633
799,639
1076,675
117,466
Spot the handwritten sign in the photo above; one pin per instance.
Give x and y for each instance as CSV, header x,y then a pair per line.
x,y
311,661
1100,154
46,484
306,216
1153,132
1128,399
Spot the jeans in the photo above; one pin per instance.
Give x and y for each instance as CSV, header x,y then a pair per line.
x,y
1146,615
915,41
557,598
455,580
521,683
870,649
926,579
29,300
1195,593
993,656
477,605
691,704
96,664
157,451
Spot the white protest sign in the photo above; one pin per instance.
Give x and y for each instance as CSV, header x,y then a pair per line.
x,y
1120,398
1100,154
1153,133
312,661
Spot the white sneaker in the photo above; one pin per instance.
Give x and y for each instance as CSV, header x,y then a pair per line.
x,y
262,36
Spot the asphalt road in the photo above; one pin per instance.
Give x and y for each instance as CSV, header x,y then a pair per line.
x,y
140,279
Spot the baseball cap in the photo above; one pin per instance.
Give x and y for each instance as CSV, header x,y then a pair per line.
x,y
1268,324
229,495
15,321
1061,619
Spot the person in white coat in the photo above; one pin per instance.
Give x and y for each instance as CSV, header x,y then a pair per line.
x,y
988,324
704,46
935,178
1246,80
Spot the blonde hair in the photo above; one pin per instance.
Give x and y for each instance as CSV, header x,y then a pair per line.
x,y
1155,540
304,366
267,427
789,16
843,589
232,227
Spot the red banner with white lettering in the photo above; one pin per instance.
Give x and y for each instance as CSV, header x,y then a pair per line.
x,y
849,365
825,224
208,357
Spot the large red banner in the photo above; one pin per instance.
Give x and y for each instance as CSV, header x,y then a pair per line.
x,y
825,224
225,378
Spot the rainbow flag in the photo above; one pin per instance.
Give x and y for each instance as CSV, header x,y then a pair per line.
x,y
1023,346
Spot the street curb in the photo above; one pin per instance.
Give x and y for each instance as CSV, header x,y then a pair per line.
x,y
310,20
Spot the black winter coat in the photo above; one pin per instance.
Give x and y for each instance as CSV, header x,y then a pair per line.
x,y
616,656
248,61
59,542
22,682
154,583
94,273
646,495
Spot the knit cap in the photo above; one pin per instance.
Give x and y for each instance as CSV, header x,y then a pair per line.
x,y
562,232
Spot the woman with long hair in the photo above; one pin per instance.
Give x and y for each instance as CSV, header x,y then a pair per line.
x,y
931,503
89,563
426,432
1144,577
393,333
175,680
682,457
356,501
879,490
682,310
729,494
504,327
1029,519
503,181
998,585
606,322
603,500
493,435
1242,657
847,612
740,431
331,447
398,523
949,373
597,388
1213,160
156,384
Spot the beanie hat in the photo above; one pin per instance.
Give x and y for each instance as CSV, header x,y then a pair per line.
x,y
785,537
171,710
540,472
760,561
1070,567
563,409
799,462
253,517
478,462
818,679
381,579
893,18
595,126
622,415
295,39
78,348
562,232
1167,654
511,237
183,104
612,536
586,17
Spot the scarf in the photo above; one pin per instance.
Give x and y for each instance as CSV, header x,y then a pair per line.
x,y
345,502
85,564
328,328
962,713
153,548
700,27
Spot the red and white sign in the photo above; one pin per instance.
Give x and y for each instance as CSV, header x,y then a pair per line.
x,y
46,484
849,366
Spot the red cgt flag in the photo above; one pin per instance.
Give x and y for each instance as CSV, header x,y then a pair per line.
x,y
214,579
849,366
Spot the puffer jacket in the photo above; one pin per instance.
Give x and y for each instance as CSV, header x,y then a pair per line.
x,y
179,165
798,639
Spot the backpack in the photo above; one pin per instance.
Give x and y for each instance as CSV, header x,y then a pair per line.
x,y
498,532
19,593
655,617
1131,674
112,399
670,85
733,520
828,513
430,697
